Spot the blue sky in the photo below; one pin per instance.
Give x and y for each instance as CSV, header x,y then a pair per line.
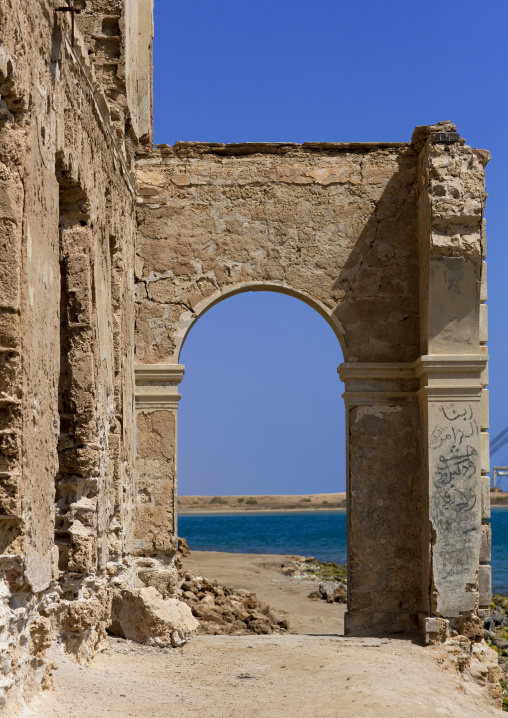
x,y
261,410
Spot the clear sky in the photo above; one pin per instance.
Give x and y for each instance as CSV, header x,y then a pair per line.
x,y
261,410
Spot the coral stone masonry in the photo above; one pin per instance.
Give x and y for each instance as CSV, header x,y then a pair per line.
x,y
111,250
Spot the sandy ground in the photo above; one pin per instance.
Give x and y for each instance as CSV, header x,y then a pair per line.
x,y
261,573
317,672
274,502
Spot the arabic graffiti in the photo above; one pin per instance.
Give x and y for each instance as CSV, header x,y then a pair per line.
x,y
454,461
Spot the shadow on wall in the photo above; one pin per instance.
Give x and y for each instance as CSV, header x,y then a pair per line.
x,y
380,277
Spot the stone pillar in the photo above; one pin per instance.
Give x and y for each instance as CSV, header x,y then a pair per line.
x,y
157,400
452,373
384,498
450,400
484,571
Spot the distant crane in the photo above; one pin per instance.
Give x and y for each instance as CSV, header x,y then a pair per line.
x,y
497,443
498,471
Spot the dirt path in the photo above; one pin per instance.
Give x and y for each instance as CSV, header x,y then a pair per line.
x,y
262,677
324,675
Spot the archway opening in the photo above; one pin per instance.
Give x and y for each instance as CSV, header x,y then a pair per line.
x,y
261,456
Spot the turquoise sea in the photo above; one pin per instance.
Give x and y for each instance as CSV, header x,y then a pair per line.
x,y
311,533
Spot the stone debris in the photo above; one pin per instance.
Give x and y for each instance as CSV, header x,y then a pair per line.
x,y
143,615
496,635
333,589
183,548
475,662
331,592
228,610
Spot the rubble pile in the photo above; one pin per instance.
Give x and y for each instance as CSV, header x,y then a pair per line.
x,y
227,610
496,634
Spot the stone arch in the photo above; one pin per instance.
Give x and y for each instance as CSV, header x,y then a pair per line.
x,y
331,224
373,238
242,334
186,323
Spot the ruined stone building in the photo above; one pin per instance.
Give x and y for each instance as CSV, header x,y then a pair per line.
x,y
111,249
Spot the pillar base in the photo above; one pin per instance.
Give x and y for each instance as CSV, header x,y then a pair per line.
x,y
379,623
433,629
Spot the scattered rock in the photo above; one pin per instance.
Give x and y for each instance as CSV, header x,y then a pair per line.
x,y
331,592
288,570
496,635
498,617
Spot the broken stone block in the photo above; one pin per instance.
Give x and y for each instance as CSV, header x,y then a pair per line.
x,y
163,579
143,615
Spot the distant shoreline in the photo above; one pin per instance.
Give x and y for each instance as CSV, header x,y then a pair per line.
x,y
258,503
231,512
239,511
281,503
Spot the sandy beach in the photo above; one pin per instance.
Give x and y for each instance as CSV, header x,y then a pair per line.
x,y
262,574
313,670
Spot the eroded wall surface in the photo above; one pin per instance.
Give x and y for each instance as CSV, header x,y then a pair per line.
x,y
453,372
332,224
66,345
99,285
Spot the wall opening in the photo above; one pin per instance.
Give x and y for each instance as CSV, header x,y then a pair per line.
x,y
262,400
261,457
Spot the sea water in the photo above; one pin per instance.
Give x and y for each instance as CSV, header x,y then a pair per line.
x,y
321,534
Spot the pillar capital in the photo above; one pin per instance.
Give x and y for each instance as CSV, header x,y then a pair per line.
x,y
157,386
450,377
378,383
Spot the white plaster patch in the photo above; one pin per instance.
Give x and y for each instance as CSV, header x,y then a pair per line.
x,y
375,411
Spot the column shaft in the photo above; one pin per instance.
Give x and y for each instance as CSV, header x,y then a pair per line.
x,y
384,498
450,396
156,458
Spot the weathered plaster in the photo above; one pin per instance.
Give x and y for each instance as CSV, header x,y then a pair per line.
x,y
66,344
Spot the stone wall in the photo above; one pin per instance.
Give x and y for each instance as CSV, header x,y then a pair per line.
x,y
66,343
334,224
386,242
118,36
453,373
